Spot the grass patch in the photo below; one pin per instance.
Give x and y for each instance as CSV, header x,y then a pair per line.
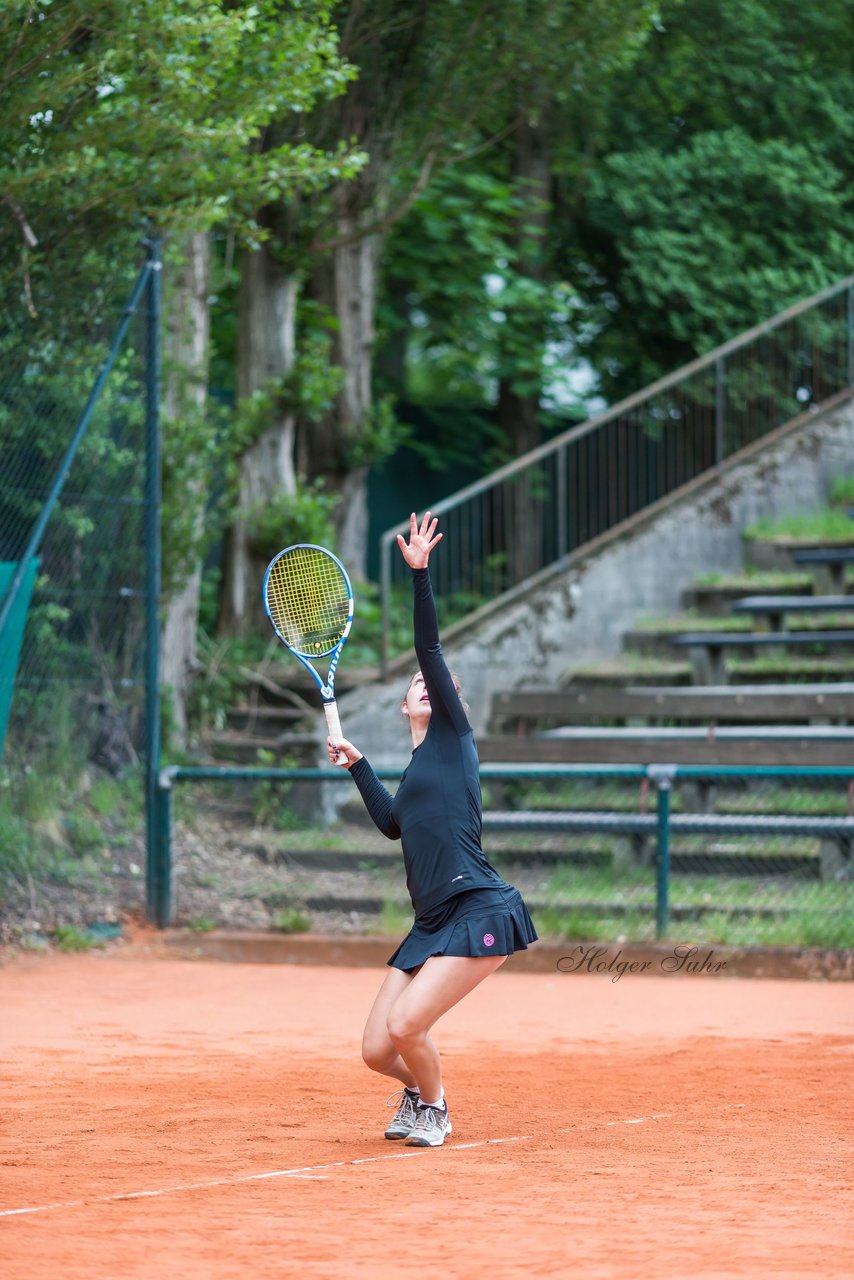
x,y
394,919
807,928
581,796
781,800
692,620
824,525
584,924
842,490
771,910
609,797
68,937
634,665
293,920
752,578
793,668
201,924
594,882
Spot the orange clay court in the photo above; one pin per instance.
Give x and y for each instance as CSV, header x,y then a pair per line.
x,y
184,1118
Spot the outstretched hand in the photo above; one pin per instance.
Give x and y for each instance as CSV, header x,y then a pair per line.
x,y
416,552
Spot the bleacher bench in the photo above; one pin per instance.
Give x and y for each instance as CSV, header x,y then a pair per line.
x,y
772,745
828,565
775,608
708,647
525,710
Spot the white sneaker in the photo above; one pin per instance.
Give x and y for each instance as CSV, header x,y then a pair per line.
x,y
432,1127
403,1121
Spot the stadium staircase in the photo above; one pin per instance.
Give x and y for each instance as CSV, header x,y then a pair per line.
x,y
782,698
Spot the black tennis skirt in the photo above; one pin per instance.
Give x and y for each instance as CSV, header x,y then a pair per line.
x,y
479,922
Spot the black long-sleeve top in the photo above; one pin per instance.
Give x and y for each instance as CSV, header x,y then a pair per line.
x,y
436,811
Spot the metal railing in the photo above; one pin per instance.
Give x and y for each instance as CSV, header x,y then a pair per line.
x,y
747,853
536,511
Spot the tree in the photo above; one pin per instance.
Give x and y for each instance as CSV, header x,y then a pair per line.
x,y
158,109
435,83
720,191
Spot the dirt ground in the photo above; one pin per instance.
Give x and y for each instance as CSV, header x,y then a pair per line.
x,y
200,1120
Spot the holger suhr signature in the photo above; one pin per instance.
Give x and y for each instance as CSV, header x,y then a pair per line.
x,y
682,959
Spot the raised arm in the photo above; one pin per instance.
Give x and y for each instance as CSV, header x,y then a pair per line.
x,y
444,697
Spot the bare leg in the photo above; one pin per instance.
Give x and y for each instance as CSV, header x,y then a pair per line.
x,y
377,1049
439,984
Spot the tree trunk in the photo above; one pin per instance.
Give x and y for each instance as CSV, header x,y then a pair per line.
x,y
334,447
518,410
266,349
186,349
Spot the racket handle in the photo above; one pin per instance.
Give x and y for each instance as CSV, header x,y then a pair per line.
x,y
333,724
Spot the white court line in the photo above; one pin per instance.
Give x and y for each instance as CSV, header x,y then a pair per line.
x,y
315,1172
309,1172
659,1115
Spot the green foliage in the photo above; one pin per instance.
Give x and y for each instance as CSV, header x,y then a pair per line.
x,y
842,490
722,230
58,825
380,434
107,796
201,924
579,924
21,851
310,387
132,112
803,928
221,662
68,937
394,919
827,524
84,834
363,646
721,188
270,798
302,516
293,920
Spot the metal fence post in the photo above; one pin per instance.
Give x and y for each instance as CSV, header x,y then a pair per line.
x,y
560,491
662,775
385,605
164,853
720,410
154,884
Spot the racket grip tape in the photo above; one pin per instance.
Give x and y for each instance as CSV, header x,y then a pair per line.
x,y
333,723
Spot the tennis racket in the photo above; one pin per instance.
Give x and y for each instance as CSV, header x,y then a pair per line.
x,y
309,601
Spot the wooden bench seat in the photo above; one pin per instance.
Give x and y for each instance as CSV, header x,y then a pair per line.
x,y
707,647
828,565
612,746
524,710
775,608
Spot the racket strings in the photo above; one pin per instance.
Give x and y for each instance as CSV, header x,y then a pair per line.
x,y
309,600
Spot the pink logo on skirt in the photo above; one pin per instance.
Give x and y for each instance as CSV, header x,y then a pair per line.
x,y
488,939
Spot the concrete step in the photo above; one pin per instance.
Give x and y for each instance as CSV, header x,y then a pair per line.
x,y
242,748
265,720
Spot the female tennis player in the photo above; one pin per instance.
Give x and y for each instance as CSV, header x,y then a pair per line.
x,y
467,919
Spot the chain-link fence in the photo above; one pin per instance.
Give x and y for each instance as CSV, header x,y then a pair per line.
x,y
74,578
739,856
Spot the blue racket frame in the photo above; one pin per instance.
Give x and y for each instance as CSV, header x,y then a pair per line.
x,y
327,688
